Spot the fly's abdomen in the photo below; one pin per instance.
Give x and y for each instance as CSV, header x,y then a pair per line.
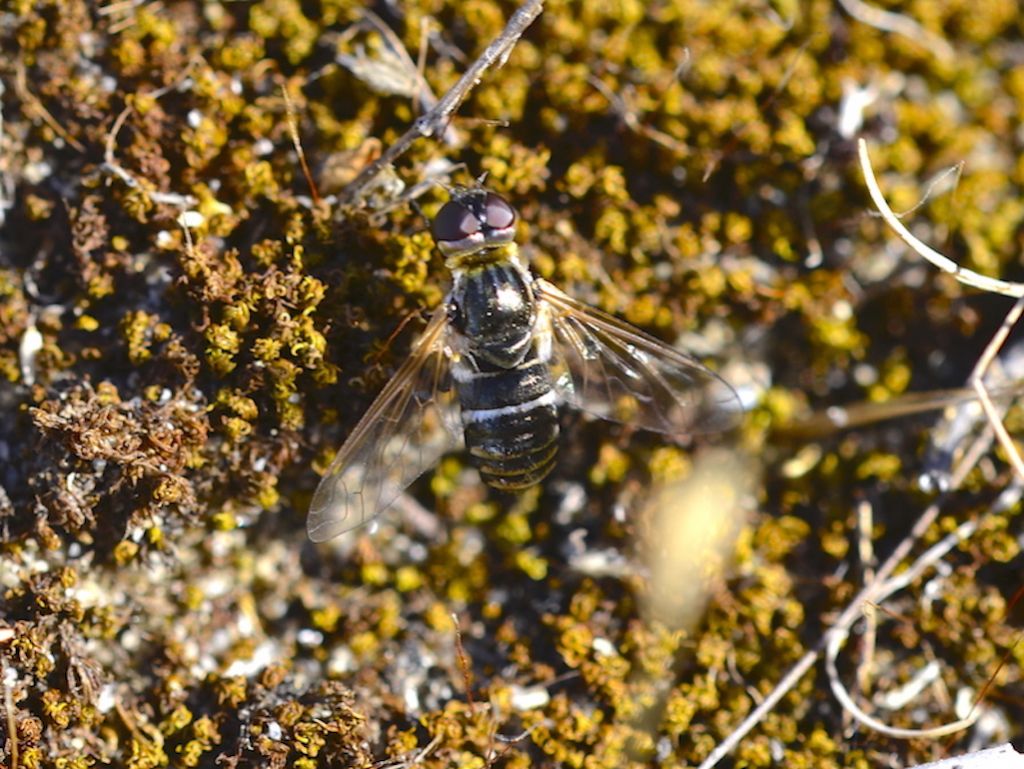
x,y
511,423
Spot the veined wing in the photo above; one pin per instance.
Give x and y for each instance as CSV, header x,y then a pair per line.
x,y
409,426
614,371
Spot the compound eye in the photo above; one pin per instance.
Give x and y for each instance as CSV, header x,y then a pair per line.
x,y
498,214
454,222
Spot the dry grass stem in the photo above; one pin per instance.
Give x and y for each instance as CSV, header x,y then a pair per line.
x,y
947,265
436,119
900,25
968,278
870,594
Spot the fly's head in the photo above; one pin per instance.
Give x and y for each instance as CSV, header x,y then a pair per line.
x,y
474,220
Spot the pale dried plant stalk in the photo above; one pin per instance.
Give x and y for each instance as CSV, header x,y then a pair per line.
x,y
885,582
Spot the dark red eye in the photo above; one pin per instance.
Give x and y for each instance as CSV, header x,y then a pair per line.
x,y
454,222
497,212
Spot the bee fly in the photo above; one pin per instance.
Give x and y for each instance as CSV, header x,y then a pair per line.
x,y
499,357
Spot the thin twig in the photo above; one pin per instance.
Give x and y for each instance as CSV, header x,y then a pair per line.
x,y
835,418
423,95
928,559
293,130
839,633
33,101
421,66
111,165
464,666
631,117
435,120
956,170
977,381
967,277
868,594
884,583
900,25
866,552
763,708
427,750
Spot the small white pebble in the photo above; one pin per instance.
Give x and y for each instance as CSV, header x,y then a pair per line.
x,y
529,697
107,699
31,344
842,310
309,637
191,219
34,173
604,647
341,661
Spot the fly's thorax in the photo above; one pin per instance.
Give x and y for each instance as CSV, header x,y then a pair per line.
x,y
493,308
481,256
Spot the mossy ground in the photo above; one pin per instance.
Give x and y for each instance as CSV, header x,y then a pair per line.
x,y
167,393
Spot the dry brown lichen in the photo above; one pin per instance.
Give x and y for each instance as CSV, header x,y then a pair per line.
x,y
99,458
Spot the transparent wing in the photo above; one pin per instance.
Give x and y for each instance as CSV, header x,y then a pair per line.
x,y
412,423
614,371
